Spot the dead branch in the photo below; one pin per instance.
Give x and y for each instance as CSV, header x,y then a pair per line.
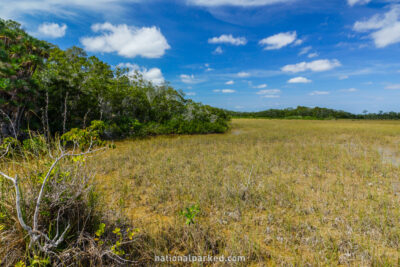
x,y
33,232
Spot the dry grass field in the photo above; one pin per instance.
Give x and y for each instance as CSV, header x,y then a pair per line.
x,y
279,192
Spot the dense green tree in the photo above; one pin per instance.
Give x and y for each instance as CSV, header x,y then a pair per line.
x,y
70,90
20,56
314,113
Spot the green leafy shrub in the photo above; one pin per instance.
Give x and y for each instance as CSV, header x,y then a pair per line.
x,y
190,213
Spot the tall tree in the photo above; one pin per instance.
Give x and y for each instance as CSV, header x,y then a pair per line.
x,y
20,56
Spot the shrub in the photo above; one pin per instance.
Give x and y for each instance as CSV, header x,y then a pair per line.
x,y
49,209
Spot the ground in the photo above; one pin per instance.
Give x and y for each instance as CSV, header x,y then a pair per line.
x,y
279,192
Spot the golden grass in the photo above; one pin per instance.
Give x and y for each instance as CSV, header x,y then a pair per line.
x,y
280,192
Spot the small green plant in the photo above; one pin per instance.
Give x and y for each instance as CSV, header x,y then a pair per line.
x,y
100,230
35,144
122,238
116,248
190,213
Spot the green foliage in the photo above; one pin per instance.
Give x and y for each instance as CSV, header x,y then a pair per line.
x,y
35,144
100,230
8,142
85,137
21,56
317,113
121,238
190,213
68,90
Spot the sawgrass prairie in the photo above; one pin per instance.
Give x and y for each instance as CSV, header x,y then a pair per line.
x,y
279,192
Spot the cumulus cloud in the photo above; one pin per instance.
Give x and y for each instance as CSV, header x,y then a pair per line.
x,y
299,80
319,93
228,39
189,79
316,65
243,3
243,74
224,91
357,2
279,40
52,30
230,82
153,75
393,87
127,41
384,28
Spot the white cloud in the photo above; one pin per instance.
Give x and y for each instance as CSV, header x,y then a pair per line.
x,y
268,92
230,82
208,68
357,2
127,41
298,42
52,30
189,79
243,74
243,3
153,75
316,65
261,86
191,94
279,40
350,90
312,55
16,8
319,93
224,91
393,87
385,28
343,77
228,39
271,96
218,51
299,80
305,50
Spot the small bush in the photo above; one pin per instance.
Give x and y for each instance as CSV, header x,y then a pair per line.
x,y
70,210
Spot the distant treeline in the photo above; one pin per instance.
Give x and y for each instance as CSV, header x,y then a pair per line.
x,y
316,113
50,90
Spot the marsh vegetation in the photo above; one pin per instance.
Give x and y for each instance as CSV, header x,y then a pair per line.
x,y
279,192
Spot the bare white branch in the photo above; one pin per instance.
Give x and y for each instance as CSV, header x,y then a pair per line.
x,y
7,177
36,236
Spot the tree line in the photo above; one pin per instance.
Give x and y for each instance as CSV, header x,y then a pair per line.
x,y
316,113
49,90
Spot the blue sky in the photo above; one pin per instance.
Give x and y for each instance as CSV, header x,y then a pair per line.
x,y
243,55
